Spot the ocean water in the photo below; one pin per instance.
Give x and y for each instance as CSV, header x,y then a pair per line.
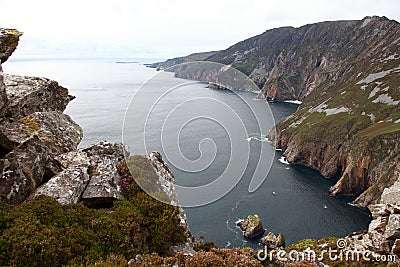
x,y
300,206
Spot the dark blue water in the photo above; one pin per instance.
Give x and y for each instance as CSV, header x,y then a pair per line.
x,y
104,88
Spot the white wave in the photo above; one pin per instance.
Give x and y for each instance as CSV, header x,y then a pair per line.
x,y
283,160
278,149
297,102
228,244
239,220
257,137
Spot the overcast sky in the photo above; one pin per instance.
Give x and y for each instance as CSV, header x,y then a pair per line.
x,y
164,29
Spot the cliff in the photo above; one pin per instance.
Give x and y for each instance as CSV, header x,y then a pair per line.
x,y
349,127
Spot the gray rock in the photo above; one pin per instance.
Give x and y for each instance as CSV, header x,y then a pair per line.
x,y
103,187
392,231
117,150
251,227
27,95
272,241
100,188
22,170
54,129
28,146
66,187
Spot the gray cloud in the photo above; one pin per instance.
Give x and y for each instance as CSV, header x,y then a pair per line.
x,y
164,28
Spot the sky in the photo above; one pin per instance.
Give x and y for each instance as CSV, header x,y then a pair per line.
x,y
163,29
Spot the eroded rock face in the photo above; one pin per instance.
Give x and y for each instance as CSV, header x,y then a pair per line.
x,y
252,226
8,43
28,146
27,95
97,186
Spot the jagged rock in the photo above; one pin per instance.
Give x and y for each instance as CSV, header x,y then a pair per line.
x,y
392,231
27,95
280,242
67,186
28,145
252,226
8,43
55,130
272,241
22,170
103,187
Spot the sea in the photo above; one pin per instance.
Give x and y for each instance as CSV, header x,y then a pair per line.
x,y
291,199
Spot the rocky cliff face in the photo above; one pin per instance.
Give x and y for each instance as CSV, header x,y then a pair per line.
x,y
289,63
351,128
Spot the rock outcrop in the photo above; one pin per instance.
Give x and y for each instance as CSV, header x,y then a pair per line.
x,y
89,175
8,43
251,227
29,146
272,241
27,95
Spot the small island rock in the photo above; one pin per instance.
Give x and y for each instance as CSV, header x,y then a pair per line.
x,y
252,226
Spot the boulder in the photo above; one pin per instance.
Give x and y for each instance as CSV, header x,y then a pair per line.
x,y
98,187
67,186
272,241
27,95
252,226
103,187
